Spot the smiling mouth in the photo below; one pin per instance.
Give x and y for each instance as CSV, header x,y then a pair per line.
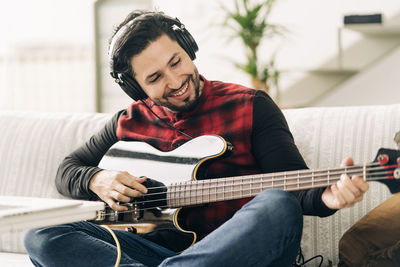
x,y
182,90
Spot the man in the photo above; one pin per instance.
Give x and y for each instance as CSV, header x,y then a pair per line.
x,y
151,58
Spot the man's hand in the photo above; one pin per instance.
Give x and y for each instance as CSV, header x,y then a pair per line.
x,y
346,192
112,186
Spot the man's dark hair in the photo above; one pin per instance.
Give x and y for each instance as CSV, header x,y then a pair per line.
x,y
146,27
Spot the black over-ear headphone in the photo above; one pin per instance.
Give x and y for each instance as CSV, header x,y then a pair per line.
x,y
125,80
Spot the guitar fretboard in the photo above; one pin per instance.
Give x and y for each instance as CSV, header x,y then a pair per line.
x,y
192,193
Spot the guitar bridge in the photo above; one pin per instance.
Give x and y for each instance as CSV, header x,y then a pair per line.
x,y
134,211
100,215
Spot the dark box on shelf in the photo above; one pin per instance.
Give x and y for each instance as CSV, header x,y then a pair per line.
x,y
363,19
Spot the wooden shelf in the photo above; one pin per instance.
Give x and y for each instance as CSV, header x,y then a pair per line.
x,y
374,29
324,71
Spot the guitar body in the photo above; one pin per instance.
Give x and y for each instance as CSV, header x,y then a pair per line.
x,y
186,163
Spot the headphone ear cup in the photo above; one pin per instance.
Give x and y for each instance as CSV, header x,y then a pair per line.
x,y
132,88
186,41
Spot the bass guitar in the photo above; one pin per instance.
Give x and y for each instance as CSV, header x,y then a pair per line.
x,y
178,198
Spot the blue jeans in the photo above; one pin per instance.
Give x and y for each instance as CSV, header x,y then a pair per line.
x,y
264,232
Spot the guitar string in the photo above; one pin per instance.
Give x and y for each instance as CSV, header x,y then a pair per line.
x,y
314,173
370,177
216,186
252,177
376,176
194,204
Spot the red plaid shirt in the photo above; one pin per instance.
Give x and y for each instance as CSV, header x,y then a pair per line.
x,y
224,109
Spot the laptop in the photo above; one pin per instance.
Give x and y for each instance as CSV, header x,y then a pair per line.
x,y
21,213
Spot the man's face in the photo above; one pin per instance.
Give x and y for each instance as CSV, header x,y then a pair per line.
x,y
167,75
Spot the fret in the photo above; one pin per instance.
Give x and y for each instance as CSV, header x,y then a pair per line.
x,y
174,198
262,183
236,191
230,188
272,180
211,189
250,188
186,193
223,189
194,195
284,182
312,178
298,180
208,191
222,184
177,194
181,194
328,177
364,172
195,192
201,192
216,190
204,193
169,192
190,185
253,185
257,186
241,186
247,187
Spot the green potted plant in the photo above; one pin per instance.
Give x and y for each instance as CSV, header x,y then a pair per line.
x,y
249,22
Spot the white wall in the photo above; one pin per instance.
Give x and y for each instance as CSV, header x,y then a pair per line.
x,y
46,55
379,84
312,38
45,21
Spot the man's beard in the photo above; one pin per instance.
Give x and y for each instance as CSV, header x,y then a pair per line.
x,y
189,104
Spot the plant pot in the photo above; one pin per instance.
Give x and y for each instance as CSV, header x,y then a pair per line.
x,y
260,85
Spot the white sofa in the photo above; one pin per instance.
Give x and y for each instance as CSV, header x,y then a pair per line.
x,y
33,144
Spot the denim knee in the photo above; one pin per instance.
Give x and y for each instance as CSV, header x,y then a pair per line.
x,y
278,208
42,241
35,242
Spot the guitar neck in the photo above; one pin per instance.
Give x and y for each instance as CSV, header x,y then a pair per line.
x,y
198,192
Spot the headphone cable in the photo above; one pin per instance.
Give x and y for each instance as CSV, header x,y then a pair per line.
x,y
166,123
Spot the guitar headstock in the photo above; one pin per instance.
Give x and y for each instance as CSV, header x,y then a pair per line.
x,y
387,169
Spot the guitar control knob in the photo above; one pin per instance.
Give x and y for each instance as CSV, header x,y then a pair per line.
x,y
131,229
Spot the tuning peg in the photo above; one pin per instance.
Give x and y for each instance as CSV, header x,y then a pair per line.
x,y
396,173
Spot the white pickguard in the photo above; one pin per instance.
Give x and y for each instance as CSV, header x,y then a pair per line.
x,y
158,165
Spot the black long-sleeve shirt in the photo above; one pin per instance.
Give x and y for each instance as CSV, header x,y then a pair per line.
x,y
272,146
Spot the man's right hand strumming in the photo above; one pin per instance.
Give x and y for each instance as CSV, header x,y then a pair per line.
x,y
112,186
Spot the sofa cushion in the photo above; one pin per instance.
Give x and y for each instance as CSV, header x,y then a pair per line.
x,y
327,135
31,147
